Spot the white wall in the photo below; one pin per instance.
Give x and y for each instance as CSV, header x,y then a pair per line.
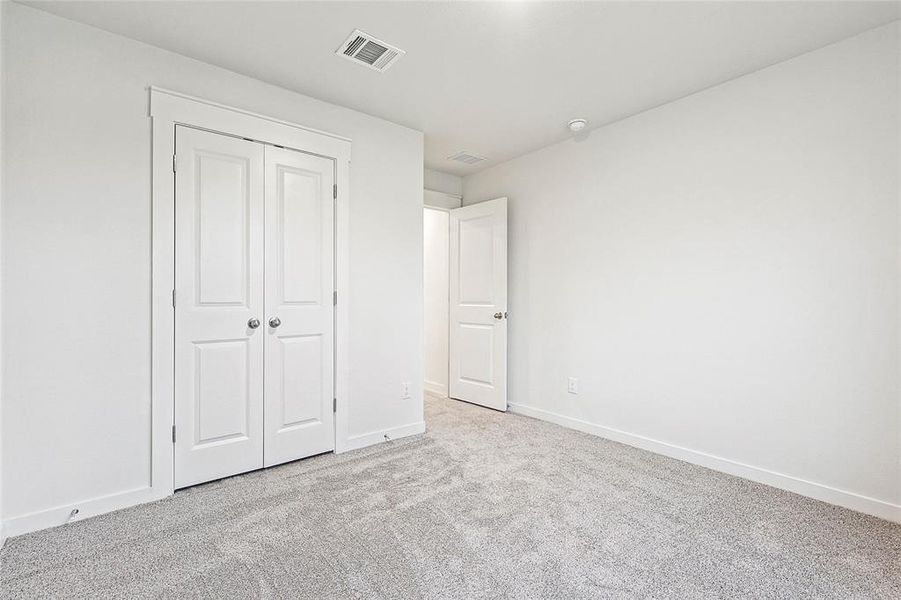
x,y
438,181
2,135
76,251
435,282
722,275
441,200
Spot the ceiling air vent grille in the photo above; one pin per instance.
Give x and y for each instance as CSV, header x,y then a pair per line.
x,y
466,157
364,49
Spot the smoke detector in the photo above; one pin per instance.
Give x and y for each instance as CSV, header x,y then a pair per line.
x,y
466,157
577,125
364,49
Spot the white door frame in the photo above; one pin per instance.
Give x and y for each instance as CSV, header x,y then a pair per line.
x,y
168,109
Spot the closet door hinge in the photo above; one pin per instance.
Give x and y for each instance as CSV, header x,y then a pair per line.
x,y
173,434
173,298
173,163
334,405
335,298
335,191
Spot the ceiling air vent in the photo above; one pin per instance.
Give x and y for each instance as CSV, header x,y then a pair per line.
x,y
364,49
466,157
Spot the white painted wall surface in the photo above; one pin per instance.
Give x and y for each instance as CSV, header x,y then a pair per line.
x,y
441,200
435,280
76,249
722,275
2,136
438,181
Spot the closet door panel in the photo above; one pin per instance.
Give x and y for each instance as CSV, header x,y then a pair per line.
x,y
299,266
218,291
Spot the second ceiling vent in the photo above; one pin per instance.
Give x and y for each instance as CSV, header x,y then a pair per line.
x,y
467,157
364,49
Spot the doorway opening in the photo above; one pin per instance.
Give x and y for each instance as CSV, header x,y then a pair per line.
x,y
435,296
465,300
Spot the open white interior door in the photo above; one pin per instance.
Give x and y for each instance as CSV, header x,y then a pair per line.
x,y
478,304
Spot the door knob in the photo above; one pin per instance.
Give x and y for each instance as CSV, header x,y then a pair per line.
x,y
253,323
274,322
498,316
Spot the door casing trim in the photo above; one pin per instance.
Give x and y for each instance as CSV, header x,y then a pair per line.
x,y
168,109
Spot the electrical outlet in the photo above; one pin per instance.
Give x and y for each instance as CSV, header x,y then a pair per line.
x,y
405,390
572,385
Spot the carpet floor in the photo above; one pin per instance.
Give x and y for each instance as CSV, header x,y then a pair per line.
x,y
483,505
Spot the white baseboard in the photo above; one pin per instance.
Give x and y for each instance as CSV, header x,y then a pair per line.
x,y
89,508
818,491
355,442
438,389
60,515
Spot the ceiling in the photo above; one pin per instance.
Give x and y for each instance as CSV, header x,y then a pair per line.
x,y
498,79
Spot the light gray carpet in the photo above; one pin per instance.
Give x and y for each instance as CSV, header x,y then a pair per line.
x,y
484,505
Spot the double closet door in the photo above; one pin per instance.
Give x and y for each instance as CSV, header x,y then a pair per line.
x,y
253,301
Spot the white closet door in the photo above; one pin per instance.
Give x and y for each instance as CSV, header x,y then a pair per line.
x,y
299,327
218,294
478,303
